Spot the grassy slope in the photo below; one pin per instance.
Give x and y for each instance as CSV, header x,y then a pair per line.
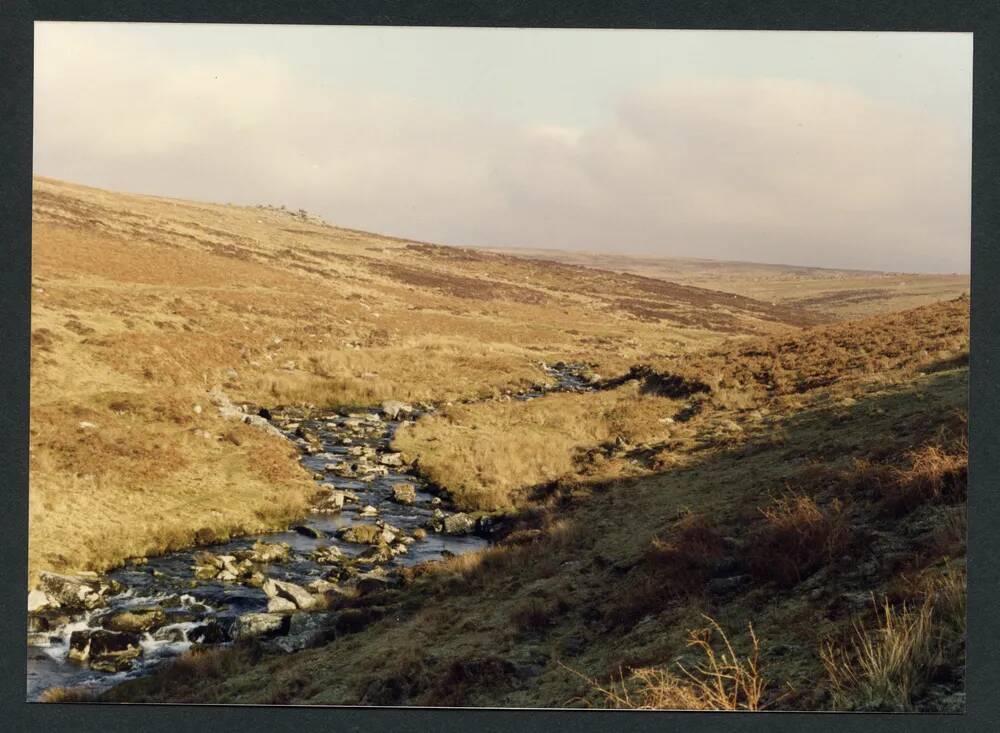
x,y
841,293
142,304
847,487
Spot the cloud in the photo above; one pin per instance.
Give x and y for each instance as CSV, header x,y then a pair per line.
x,y
761,169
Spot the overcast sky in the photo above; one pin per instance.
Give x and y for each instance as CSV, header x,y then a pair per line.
x,y
835,149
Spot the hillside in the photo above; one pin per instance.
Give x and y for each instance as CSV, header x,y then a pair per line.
x,y
141,305
708,469
782,510
835,293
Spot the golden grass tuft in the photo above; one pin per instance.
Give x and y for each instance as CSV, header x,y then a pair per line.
x,y
883,667
722,680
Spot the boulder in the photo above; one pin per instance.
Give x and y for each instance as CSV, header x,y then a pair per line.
x,y
368,511
208,633
47,619
419,533
295,593
135,621
460,523
362,534
404,493
259,625
308,531
394,408
170,634
278,604
305,630
39,599
380,553
267,552
73,592
327,555
104,650
391,459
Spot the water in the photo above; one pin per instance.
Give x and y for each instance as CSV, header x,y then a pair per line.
x,y
168,581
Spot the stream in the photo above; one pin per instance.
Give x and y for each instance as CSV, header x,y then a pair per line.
x,y
188,597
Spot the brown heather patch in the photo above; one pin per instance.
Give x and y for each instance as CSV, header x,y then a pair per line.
x,y
675,564
797,537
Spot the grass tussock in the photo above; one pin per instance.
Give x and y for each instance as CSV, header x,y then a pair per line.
x,y
885,666
795,538
722,679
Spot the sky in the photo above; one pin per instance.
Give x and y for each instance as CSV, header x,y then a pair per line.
x,y
811,148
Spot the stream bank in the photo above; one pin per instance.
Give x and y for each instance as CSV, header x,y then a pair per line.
x,y
372,515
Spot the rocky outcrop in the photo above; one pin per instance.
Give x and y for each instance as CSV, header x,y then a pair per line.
x,y
229,411
80,592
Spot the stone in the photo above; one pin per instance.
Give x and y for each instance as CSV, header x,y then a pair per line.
x,y
404,493
268,552
363,534
391,459
104,650
259,625
394,408
47,619
368,511
280,605
307,531
376,554
208,633
289,591
39,599
327,555
74,592
170,634
460,523
305,630
419,533
135,621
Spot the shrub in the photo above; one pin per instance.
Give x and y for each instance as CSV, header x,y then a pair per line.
x,y
935,475
534,614
797,537
670,568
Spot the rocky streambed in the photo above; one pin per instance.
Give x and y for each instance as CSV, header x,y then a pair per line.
x,y
371,517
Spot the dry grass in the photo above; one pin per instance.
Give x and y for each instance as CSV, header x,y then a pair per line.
x,y
489,456
842,293
68,694
722,680
885,667
796,537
